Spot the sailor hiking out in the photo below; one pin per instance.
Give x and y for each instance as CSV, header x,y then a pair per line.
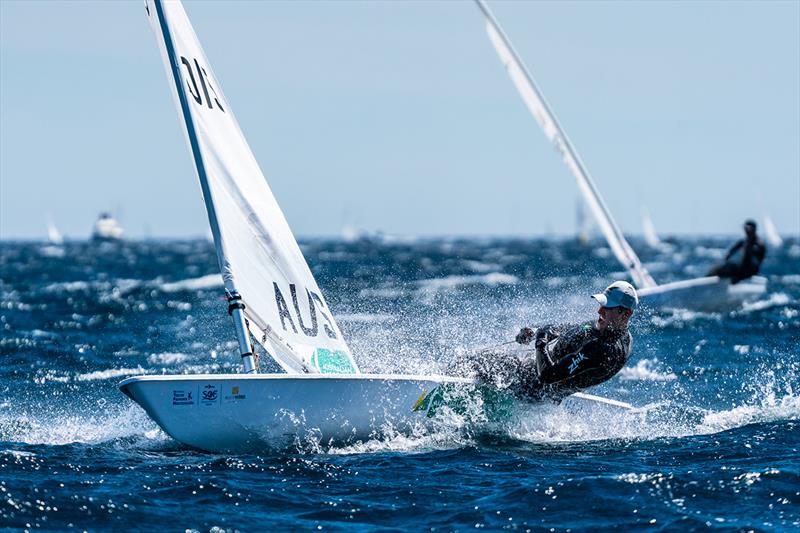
x,y
566,358
752,250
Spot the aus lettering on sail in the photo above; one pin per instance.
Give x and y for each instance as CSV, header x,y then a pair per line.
x,y
292,318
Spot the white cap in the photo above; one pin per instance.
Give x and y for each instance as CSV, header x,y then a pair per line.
x,y
618,294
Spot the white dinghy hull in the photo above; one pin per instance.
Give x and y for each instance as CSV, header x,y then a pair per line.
x,y
240,413
703,294
250,412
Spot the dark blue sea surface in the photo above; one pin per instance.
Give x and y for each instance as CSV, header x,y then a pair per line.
x,y
715,446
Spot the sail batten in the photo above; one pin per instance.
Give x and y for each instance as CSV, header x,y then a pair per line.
x,y
262,266
537,105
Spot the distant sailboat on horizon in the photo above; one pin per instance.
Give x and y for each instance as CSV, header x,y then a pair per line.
x,y
54,246
651,236
583,225
106,229
53,235
771,234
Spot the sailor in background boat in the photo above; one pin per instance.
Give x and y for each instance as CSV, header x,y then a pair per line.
x,y
752,251
567,358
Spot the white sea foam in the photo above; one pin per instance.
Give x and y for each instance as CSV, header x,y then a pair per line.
x,y
51,375
209,281
774,300
636,478
385,292
791,279
52,251
560,424
104,288
580,421
786,408
451,282
17,453
123,286
110,373
367,318
680,317
713,253
167,358
67,286
478,266
645,370
96,424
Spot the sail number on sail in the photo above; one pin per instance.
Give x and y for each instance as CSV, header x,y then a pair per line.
x,y
205,83
313,300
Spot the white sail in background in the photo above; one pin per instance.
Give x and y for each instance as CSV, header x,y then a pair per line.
x,y
258,255
649,230
533,98
53,235
774,238
582,223
650,236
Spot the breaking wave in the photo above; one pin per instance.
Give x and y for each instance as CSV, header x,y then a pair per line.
x,y
646,370
87,428
775,300
451,282
210,281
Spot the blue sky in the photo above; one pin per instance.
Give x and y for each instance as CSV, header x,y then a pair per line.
x,y
397,116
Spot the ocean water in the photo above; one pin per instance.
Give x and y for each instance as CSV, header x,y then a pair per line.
x,y
715,446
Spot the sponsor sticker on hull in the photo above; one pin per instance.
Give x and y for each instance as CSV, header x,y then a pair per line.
x,y
234,394
209,394
183,397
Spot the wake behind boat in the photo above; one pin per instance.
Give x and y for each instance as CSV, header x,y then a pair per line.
x,y
278,309
715,292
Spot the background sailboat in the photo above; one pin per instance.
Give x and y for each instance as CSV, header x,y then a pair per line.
x,y
55,241
771,234
583,225
651,236
53,235
707,292
106,229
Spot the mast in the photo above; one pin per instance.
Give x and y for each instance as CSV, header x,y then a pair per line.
x,y
536,103
235,304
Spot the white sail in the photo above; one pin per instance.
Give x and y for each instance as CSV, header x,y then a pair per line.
x,y
258,255
774,238
582,224
533,98
649,230
53,235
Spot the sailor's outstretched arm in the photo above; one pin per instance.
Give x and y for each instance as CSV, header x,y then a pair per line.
x,y
733,249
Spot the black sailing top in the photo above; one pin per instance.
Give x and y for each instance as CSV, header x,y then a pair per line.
x,y
568,358
753,251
